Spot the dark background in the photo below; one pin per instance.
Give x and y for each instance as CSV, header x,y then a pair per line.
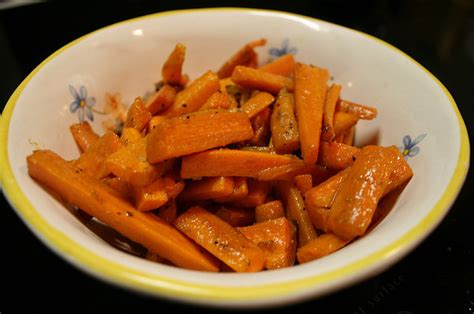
x,y
437,277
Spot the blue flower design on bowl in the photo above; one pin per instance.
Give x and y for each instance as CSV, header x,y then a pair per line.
x,y
283,50
409,147
82,104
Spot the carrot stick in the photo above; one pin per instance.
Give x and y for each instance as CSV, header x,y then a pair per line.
x,y
138,115
168,212
83,135
245,56
310,96
343,121
284,128
361,111
268,211
260,80
257,103
261,128
155,120
401,171
218,100
328,133
120,186
337,156
174,185
240,191
257,194
232,162
304,182
161,99
93,197
236,217
322,246
221,240
224,86
172,68
197,132
319,217
323,194
284,65
129,135
277,240
194,96
285,172
207,188
150,197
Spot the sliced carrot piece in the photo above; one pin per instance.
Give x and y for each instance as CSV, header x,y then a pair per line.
x,y
174,185
236,217
284,128
172,68
286,172
245,56
343,121
268,211
257,103
328,133
401,171
221,240
323,194
304,182
224,86
361,111
337,156
150,197
283,65
161,99
260,80
138,115
120,186
240,191
218,100
322,246
83,135
261,128
155,121
129,135
257,195
319,217
168,212
207,188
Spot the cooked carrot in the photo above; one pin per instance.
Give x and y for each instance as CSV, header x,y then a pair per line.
x,y
277,240
207,188
138,115
322,246
93,197
172,68
131,165
129,135
358,195
83,135
328,133
240,191
337,156
197,132
120,186
284,65
343,121
348,136
245,56
161,99
257,194
401,171
194,96
174,185
323,194
257,103
261,128
284,128
168,212
295,210
92,161
150,197
304,182
226,85
319,217
221,240
232,162
218,100
260,80
285,172
236,217
268,211
310,96
155,121
361,111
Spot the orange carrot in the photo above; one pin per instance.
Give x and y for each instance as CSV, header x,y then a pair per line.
x,y
348,136
286,172
268,211
240,191
323,194
168,212
197,132
337,156
174,185
218,100
129,135
343,121
194,96
281,66
236,217
93,197
261,80
304,182
257,103
322,246
207,188
319,217
172,68
161,99
257,194
224,86
284,128
277,240
245,56
83,135
150,197
155,121
361,111
120,186
221,240
138,115
261,128
310,96
328,133
401,171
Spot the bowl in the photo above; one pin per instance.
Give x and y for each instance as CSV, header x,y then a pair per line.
x,y
416,113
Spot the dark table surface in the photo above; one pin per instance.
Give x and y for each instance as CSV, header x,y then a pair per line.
x,y
437,277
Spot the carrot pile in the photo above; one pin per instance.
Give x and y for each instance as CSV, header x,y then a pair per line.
x,y
243,169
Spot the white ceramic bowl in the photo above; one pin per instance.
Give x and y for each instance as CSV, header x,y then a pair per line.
x,y
415,111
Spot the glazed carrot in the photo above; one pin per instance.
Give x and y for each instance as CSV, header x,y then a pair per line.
x,y
83,135
343,121
277,240
281,66
240,191
155,120
328,133
348,136
218,100
310,96
257,103
245,56
168,212
361,111
358,195
93,197
261,128
161,99
323,194
92,160
138,115
129,135
284,128
150,197
226,85
130,164
257,194
295,209
319,217
207,188
120,186
197,132
322,246
232,162
337,156
221,240
236,217
268,211
286,172
174,185
401,172
172,68
304,182
194,96
260,80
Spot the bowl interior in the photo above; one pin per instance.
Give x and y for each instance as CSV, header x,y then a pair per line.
x,y
127,58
